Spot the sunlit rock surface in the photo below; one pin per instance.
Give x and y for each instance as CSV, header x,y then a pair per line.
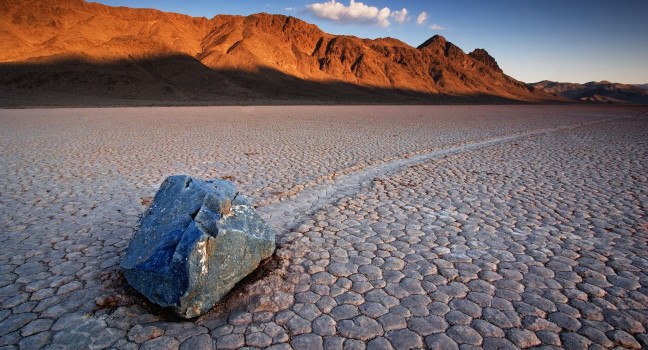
x,y
194,243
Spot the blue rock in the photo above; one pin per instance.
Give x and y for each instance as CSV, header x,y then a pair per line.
x,y
194,243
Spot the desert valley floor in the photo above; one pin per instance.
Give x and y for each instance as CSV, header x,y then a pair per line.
x,y
442,227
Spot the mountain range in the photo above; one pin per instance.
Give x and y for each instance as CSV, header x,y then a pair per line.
x,y
596,91
75,51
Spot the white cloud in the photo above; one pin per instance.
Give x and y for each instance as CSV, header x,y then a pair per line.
x,y
422,18
289,8
400,16
356,12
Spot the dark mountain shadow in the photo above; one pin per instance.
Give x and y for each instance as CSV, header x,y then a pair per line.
x,y
183,80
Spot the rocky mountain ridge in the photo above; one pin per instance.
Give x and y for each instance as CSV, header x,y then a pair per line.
x,y
89,48
595,91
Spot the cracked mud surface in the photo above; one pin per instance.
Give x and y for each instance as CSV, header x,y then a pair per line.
x,y
399,227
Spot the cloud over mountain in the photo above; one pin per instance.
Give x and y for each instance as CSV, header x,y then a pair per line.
x,y
356,12
400,16
422,18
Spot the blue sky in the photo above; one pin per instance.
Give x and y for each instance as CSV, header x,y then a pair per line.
x,y
561,40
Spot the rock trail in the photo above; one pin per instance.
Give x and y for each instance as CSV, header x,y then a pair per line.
x,y
288,213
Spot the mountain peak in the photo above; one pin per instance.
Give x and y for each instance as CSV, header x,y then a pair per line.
x,y
484,57
437,41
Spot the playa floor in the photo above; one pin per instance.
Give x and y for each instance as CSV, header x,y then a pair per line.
x,y
442,227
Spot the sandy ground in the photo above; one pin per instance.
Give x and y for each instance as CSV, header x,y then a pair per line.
x,y
398,226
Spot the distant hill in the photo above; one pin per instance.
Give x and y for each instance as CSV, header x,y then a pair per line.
x,y
602,91
58,47
643,86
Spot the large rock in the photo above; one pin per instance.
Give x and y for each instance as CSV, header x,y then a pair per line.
x,y
194,243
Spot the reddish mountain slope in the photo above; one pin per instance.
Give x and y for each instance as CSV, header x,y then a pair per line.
x,y
139,53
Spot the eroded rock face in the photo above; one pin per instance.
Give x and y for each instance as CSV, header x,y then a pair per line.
x,y
194,243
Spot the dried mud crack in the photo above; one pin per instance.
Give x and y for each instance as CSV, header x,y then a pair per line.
x,y
288,214
442,227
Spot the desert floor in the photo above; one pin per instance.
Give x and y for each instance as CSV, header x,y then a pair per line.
x,y
397,226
